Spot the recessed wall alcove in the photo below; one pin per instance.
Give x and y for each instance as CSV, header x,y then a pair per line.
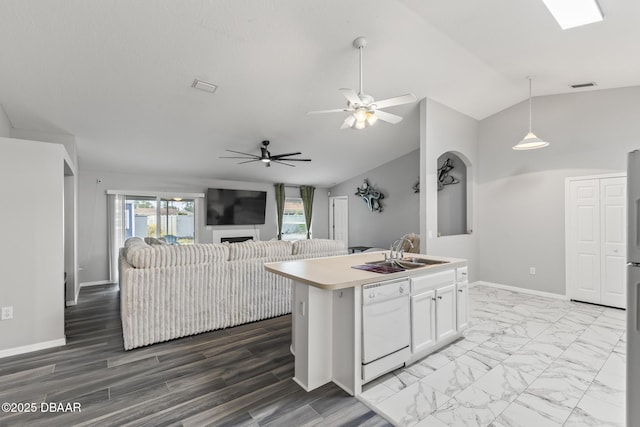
x,y
453,194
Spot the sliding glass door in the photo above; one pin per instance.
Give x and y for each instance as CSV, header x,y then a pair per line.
x,y
173,219
177,220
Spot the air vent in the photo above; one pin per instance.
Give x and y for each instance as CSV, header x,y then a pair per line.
x,y
207,87
582,85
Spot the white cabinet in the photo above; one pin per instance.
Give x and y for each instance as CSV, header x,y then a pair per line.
x,y
423,332
435,308
446,303
596,240
462,287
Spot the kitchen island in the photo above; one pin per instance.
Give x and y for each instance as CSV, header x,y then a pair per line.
x,y
350,325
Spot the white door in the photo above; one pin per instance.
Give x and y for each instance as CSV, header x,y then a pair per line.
x,y
613,193
339,219
583,260
446,301
423,331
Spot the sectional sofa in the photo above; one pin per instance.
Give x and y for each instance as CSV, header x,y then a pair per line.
x,y
170,291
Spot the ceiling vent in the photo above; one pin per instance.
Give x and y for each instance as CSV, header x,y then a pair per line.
x,y
207,87
583,85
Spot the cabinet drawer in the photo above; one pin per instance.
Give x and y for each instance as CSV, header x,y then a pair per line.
x,y
461,274
431,281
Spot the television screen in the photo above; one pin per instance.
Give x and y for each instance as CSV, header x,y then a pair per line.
x,y
235,207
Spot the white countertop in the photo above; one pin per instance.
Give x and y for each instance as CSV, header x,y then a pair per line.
x,y
336,272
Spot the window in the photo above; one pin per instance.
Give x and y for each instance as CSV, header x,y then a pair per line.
x,y
294,226
149,216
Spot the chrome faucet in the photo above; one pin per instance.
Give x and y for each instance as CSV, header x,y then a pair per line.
x,y
398,247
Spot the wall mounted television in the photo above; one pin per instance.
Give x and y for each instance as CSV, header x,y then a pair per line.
x,y
235,207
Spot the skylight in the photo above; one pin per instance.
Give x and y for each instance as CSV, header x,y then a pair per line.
x,y
574,13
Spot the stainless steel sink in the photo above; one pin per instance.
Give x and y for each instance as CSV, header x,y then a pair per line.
x,y
408,263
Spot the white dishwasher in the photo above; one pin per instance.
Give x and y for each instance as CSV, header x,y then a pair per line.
x,y
385,327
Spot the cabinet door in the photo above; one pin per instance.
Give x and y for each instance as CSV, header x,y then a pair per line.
x,y
462,313
446,301
423,330
613,192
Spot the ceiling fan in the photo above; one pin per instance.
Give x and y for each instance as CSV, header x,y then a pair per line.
x,y
266,157
363,108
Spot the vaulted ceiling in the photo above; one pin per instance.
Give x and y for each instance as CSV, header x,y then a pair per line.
x,y
117,75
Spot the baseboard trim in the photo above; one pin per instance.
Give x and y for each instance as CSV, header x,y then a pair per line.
x,y
32,347
96,283
522,290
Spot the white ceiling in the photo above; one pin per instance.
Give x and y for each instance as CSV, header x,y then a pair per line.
x,y
117,74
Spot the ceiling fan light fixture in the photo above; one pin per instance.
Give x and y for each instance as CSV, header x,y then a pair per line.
x,y
530,141
360,114
363,108
265,160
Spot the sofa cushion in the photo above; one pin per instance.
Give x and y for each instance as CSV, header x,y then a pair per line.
x,y
277,248
171,255
134,243
246,250
317,246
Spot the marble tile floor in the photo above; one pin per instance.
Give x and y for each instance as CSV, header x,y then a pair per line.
x,y
525,360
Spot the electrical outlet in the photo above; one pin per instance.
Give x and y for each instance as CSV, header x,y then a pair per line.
x,y
532,270
7,313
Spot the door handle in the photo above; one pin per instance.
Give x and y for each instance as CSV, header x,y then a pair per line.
x,y
460,290
439,297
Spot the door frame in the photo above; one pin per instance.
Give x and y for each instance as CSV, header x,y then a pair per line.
x,y
567,220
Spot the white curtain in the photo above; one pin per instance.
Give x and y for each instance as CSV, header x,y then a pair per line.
x,y
115,216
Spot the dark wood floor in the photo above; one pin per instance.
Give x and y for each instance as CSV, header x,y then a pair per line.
x,y
237,376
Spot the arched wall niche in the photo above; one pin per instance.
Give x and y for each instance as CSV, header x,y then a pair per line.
x,y
454,194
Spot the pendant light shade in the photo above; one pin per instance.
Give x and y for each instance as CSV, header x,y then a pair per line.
x,y
530,141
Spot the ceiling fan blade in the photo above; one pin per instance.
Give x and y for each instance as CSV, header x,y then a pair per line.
x,y
234,157
240,152
282,163
291,160
338,110
351,96
249,161
398,100
388,117
279,156
348,122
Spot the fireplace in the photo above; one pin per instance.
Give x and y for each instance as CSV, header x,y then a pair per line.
x,y
235,239
233,235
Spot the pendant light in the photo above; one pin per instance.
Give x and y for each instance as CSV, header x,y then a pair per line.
x,y
530,141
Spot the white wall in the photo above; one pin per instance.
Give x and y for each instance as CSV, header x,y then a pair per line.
x,y
5,124
32,258
69,141
521,193
400,212
92,211
443,129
